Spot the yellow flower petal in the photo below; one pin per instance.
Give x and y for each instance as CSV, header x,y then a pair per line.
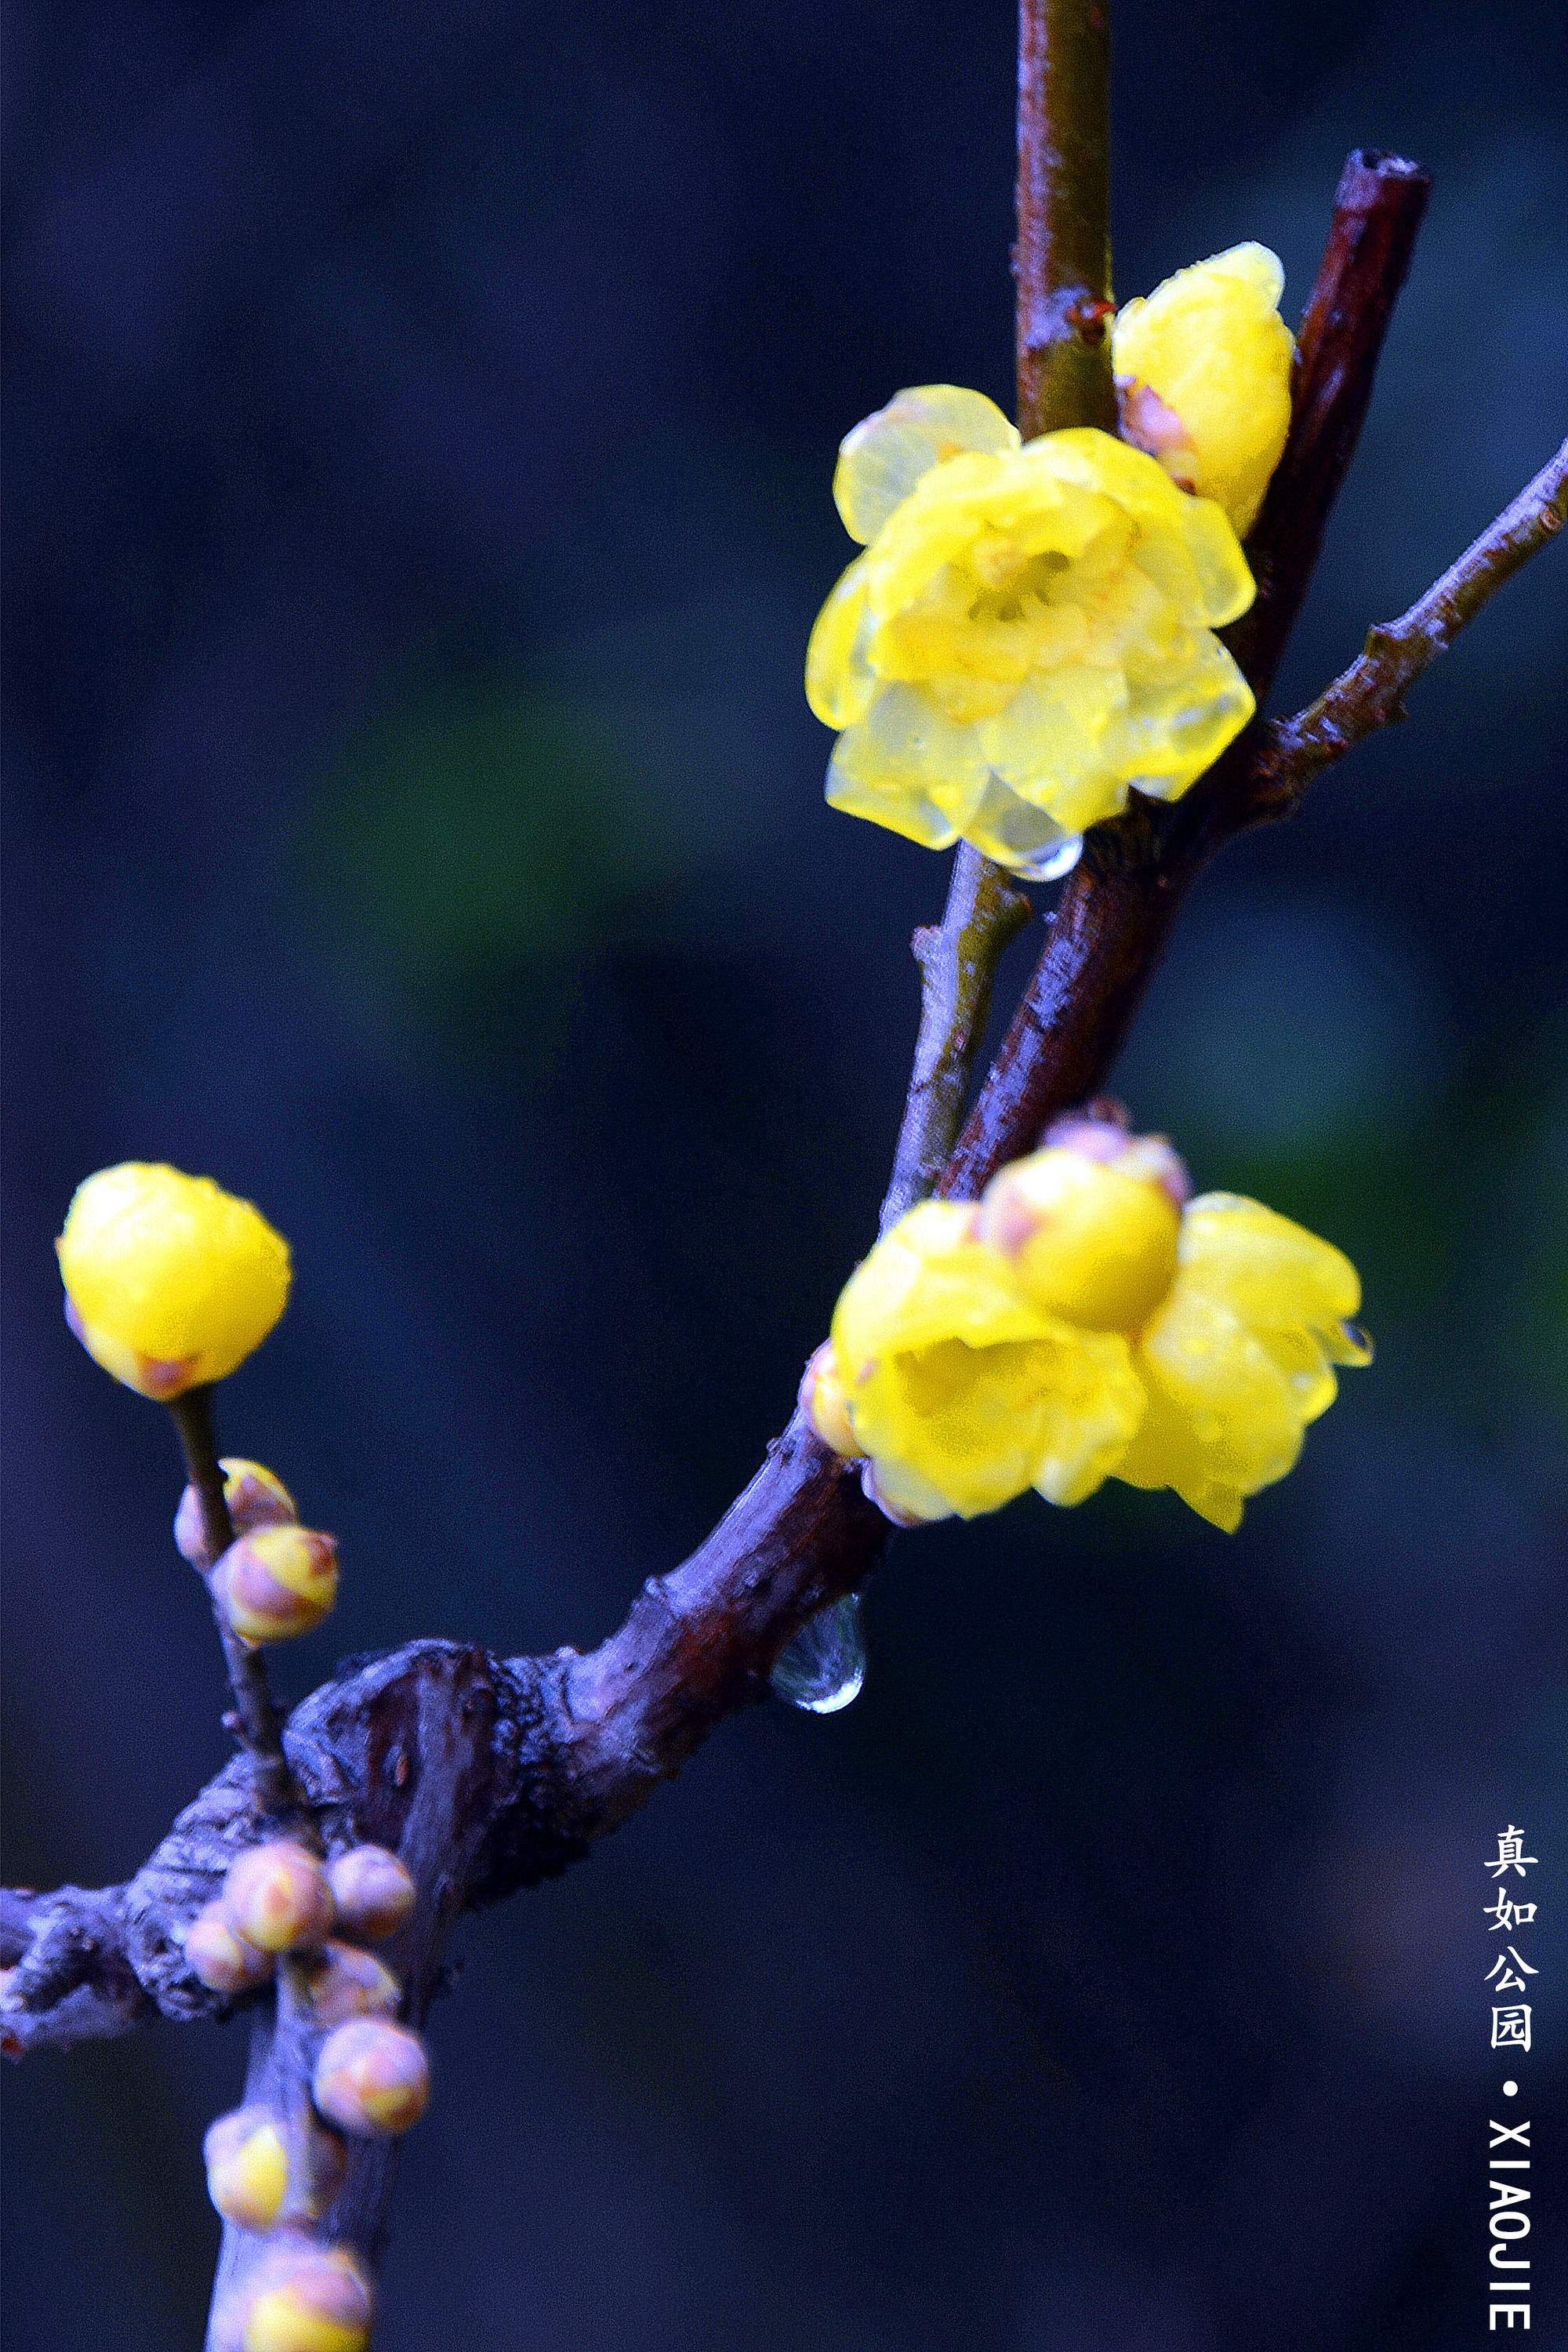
x,y
839,682
908,766
1211,347
880,461
1264,1266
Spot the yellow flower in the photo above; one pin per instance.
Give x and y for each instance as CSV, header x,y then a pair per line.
x,y
170,1281
1086,1321
960,1389
1239,1358
1029,633
1203,366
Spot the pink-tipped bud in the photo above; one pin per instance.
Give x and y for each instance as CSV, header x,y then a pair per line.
x,y
1100,1131
307,2298
222,1960
345,1983
276,1896
256,1497
277,1583
825,1406
248,2168
372,2077
373,1891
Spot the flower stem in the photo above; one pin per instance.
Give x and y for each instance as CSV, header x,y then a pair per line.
x,y
256,1718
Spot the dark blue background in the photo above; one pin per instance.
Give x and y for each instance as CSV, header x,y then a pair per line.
x,y
420,423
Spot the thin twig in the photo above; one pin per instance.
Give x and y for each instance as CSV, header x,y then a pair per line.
x,y
256,1718
283,2045
1371,693
958,958
1062,258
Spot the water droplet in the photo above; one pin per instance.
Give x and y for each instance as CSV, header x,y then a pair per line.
x,y
1360,1340
823,1668
1051,862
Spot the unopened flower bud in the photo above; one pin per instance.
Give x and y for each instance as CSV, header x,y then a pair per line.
x,y
222,1960
256,1497
825,1406
1091,1236
1203,371
276,1896
308,2298
170,1281
372,2077
373,1891
345,1983
248,2168
277,1583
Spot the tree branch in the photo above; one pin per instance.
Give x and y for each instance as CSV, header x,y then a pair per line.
x,y
1371,693
1114,915
1061,261
958,958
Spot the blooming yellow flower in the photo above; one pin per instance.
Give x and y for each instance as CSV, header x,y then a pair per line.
x,y
1239,1358
961,1390
1085,1322
1203,367
170,1281
1027,636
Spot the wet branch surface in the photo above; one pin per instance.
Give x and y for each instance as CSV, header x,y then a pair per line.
x,y
489,1774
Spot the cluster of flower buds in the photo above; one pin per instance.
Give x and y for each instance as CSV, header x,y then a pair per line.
x,y
277,1579
281,1904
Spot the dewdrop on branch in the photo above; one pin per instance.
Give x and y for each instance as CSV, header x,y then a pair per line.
x,y
170,1281
224,1961
371,2078
345,1982
277,1583
256,1498
373,1891
276,1896
304,2298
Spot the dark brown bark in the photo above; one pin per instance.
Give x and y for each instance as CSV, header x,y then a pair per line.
x,y
1061,262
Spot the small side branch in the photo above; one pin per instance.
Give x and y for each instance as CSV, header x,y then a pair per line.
x,y
958,958
1371,693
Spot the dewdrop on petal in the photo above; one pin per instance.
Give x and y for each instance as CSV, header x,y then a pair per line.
x,y
373,1890
307,2298
248,2168
277,1583
224,1961
276,1896
345,1983
371,2078
256,1498
170,1281
1203,374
